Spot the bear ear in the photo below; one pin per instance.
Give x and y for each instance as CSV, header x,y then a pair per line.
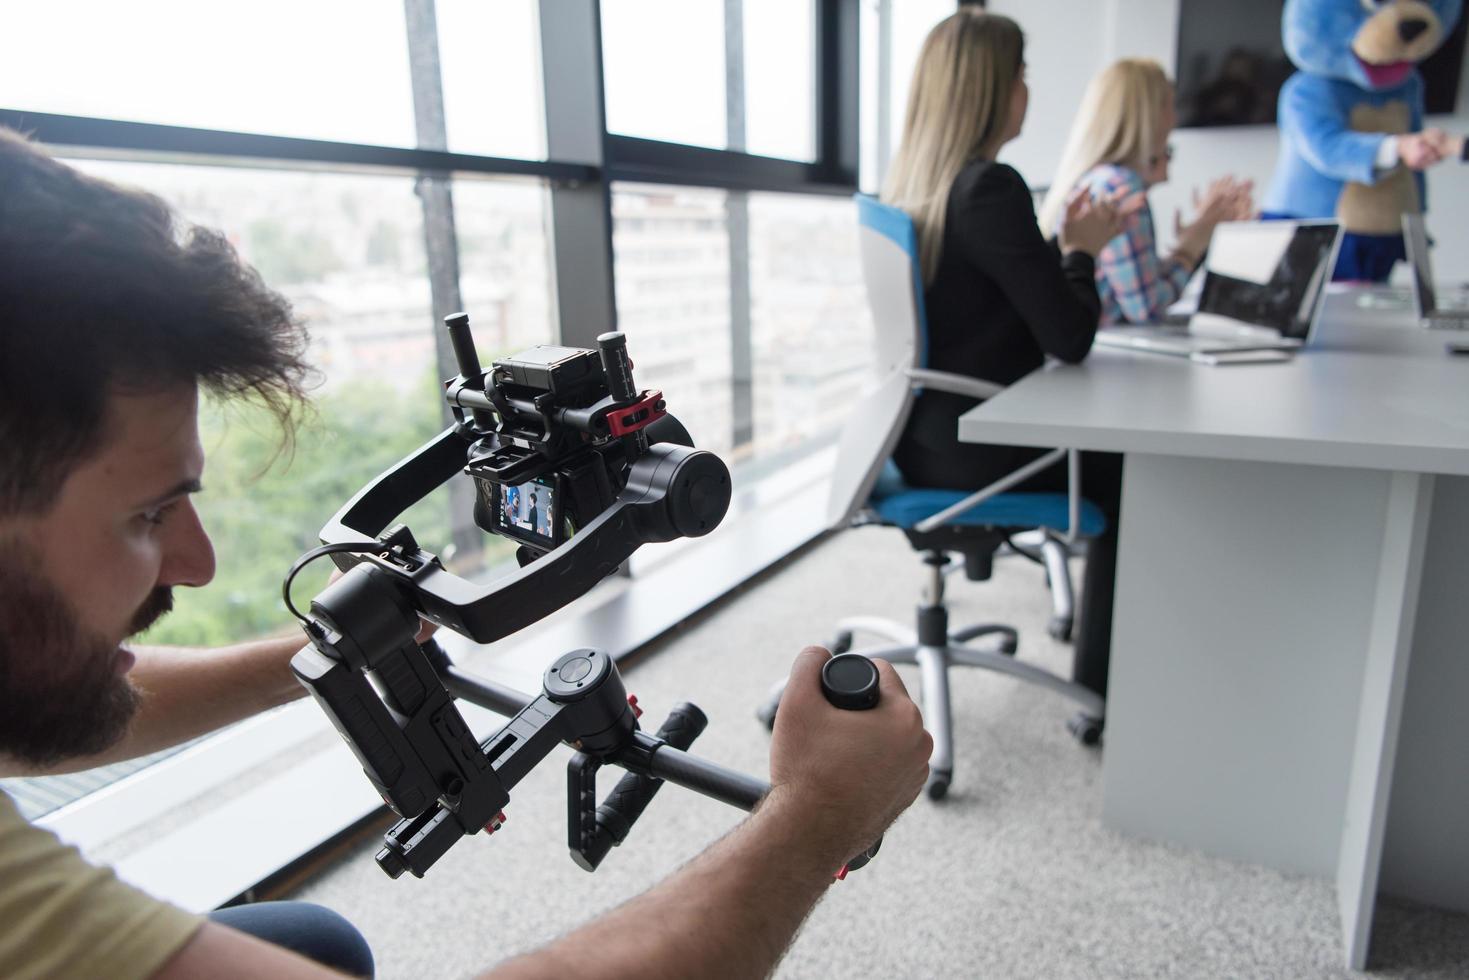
x,y
1317,35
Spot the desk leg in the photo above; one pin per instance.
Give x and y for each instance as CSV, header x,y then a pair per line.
x,y
1245,594
1390,643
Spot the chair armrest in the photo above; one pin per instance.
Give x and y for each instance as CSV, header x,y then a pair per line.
x,y
994,489
960,384
954,384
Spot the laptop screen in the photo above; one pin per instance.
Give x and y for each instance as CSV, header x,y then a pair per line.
x,y
1269,273
1415,237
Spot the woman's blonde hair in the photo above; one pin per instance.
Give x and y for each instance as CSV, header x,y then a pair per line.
x,y
958,107
1119,122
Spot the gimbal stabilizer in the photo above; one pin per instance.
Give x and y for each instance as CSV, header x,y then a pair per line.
x,y
570,459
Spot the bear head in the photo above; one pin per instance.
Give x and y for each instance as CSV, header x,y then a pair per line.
x,y
1373,44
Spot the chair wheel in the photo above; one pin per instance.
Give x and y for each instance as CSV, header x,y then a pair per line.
x,y
1085,729
1060,628
938,784
842,643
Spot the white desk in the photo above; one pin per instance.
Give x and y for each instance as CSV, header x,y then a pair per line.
x,y
1293,536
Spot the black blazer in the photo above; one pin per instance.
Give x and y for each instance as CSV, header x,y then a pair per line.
x,y
1001,300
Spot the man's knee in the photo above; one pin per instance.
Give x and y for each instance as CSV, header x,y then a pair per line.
x,y
310,930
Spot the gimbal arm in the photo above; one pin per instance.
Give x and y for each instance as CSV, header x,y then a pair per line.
x,y
672,491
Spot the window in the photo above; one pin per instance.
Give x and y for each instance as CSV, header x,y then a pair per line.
x,y
671,260
810,326
489,56
668,76
330,70
779,78
665,71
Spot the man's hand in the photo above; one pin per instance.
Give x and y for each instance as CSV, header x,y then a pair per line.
x,y
1419,151
850,773
1449,146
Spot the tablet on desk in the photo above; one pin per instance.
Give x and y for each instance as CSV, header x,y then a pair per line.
x,y
1264,356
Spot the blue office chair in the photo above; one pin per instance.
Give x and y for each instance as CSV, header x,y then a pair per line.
x,y
866,488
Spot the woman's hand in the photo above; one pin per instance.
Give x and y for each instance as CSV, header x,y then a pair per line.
x,y
1090,223
1226,199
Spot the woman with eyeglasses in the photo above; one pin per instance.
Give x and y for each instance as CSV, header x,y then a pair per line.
x,y
1118,148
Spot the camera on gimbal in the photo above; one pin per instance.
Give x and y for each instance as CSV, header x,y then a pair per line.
x,y
567,425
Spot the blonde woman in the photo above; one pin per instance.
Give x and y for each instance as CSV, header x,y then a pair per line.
x,y
1118,148
999,297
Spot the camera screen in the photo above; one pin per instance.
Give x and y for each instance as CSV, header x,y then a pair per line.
x,y
529,511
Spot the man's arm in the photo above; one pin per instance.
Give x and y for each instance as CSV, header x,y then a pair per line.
x,y
185,693
731,912
839,778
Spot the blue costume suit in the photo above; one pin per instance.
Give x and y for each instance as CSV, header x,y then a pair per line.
x,y
1336,112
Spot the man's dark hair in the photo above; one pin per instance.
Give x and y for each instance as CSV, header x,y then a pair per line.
x,y
103,290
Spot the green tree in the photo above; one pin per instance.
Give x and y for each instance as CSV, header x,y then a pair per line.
x,y
382,245
263,509
283,256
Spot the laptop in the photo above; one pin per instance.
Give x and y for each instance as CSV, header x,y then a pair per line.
x,y
1430,314
1264,289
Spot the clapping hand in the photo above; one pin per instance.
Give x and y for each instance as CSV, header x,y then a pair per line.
x,y
1091,222
1225,199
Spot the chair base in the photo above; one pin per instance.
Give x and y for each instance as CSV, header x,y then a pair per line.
x,y
1051,553
934,660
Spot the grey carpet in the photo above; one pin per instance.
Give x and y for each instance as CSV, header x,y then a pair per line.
x,y
1012,876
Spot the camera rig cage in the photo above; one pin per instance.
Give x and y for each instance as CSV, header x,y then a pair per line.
x,y
621,472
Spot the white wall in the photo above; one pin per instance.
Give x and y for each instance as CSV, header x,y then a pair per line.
x,y
1068,41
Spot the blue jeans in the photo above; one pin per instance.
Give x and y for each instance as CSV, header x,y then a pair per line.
x,y
315,932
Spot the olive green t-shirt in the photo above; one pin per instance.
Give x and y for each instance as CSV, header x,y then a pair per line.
x,y
63,917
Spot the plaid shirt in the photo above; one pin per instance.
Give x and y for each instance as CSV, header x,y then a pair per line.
x,y
1135,285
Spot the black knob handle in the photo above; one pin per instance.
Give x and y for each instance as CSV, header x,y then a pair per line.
x,y
618,368
849,682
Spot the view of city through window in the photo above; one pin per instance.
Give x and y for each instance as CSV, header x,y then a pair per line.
x,y
777,290
810,325
810,328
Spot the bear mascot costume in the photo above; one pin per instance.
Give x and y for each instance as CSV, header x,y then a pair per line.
x,y
1352,143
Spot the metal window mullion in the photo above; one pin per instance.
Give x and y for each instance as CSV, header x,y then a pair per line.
x,y
580,232
884,88
737,227
440,237
158,142
838,84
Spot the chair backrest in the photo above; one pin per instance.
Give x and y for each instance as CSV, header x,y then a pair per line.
x,y
890,270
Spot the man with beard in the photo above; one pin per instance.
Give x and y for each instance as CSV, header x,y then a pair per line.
x,y
112,316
